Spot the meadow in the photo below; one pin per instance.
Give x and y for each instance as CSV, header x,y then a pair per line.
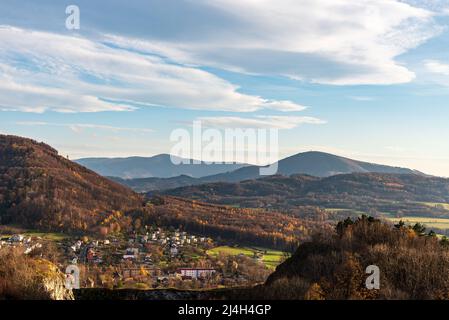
x,y
271,258
429,223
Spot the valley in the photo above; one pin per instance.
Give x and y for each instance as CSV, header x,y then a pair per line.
x,y
232,236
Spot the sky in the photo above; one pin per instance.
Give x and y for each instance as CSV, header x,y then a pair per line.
x,y
365,79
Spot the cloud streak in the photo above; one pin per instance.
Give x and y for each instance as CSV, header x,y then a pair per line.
x,y
437,67
77,127
259,122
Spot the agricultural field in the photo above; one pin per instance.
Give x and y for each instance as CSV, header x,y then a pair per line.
x,y
6,232
429,223
271,258
50,236
436,205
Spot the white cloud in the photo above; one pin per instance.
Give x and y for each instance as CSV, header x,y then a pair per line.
x,y
339,42
437,67
77,127
43,71
361,98
275,122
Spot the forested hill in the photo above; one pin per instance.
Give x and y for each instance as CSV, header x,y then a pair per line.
x,y
411,194
40,189
413,265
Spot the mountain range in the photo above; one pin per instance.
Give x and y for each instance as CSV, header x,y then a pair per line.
x,y
159,166
318,164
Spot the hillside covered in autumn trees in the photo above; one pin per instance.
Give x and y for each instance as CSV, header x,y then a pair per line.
x,y
44,191
395,194
332,265
257,227
40,189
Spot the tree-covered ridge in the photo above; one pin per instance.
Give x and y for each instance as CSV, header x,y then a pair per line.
x,y
396,194
40,189
413,264
255,227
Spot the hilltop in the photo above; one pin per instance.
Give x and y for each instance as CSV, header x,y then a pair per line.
x,y
333,266
40,189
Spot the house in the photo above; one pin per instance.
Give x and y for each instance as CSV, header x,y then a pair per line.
x,y
147,259
16,238
91,255
174,251
131,253
195,273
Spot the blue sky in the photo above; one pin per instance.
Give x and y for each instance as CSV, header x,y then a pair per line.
x,y
364,79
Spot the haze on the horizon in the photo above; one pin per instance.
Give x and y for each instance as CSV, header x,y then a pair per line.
x,y
368,80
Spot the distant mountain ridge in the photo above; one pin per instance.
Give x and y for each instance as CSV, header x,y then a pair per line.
x,y
313,163
373,193
159,166
317,164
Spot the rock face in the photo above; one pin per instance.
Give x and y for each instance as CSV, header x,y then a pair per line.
x,y
52,282
26,278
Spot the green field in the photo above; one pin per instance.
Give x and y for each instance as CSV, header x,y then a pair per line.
x,y
271,258
439,223
50,236
436,204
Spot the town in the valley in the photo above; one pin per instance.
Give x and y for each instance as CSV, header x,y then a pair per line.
x,y
155,259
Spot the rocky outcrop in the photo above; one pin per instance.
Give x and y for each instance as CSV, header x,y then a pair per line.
x,y
51,282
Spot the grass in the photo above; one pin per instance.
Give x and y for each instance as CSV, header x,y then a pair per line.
x,y
351,211
271,258
436,204
8,231
336,209
50,236
438,223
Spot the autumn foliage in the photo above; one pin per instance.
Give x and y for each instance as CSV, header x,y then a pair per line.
x,y
413,265
42,190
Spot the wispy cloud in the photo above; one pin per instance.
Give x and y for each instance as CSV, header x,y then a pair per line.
x,y
275,122
77,127
437,67
361,98
340,42
46,71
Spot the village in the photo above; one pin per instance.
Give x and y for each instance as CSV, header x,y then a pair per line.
x,y
157,258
